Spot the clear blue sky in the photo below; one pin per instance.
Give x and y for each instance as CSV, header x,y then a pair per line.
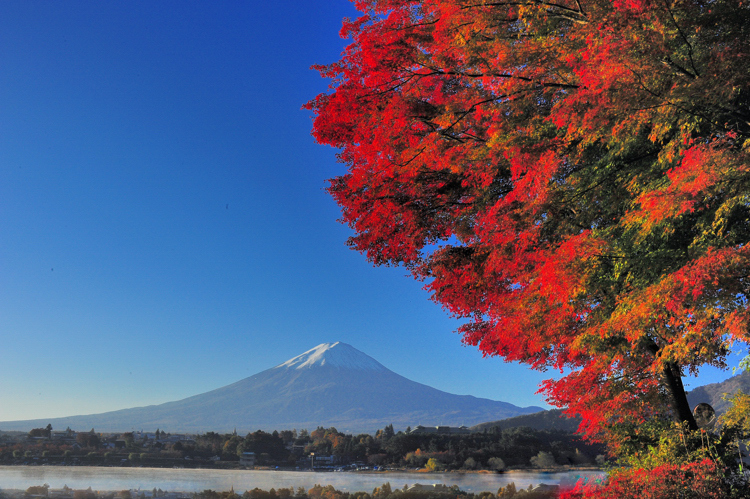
x,y
164,228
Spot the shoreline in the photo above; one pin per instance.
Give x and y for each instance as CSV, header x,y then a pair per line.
x,y
196,480
424,471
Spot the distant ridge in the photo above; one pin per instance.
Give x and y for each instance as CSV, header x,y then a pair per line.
x,y
713,393
553,419
333,384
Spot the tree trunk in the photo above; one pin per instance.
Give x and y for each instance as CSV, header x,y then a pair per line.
x,y
672,381
678,398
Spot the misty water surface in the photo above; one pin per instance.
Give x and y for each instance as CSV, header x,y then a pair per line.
x,y
195,480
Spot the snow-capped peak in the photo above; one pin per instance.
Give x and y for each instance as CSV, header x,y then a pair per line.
x,y
335,355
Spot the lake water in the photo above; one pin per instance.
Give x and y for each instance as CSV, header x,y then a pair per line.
x,y
195,480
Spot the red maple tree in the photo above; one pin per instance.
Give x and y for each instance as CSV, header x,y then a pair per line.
x,y
699,480
571,177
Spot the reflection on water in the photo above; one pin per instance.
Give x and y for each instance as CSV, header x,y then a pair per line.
x,y
192,480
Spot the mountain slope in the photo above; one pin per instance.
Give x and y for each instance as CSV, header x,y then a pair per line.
x,y
713,393
333,384
553,419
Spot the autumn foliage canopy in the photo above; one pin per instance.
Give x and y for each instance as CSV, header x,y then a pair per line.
x,y
572,177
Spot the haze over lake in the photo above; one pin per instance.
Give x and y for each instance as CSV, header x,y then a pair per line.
x,y
195,480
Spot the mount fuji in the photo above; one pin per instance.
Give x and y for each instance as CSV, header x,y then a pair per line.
x,y
333,384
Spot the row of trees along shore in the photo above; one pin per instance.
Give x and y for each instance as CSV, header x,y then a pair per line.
x,y
386,491
570,178
492,449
